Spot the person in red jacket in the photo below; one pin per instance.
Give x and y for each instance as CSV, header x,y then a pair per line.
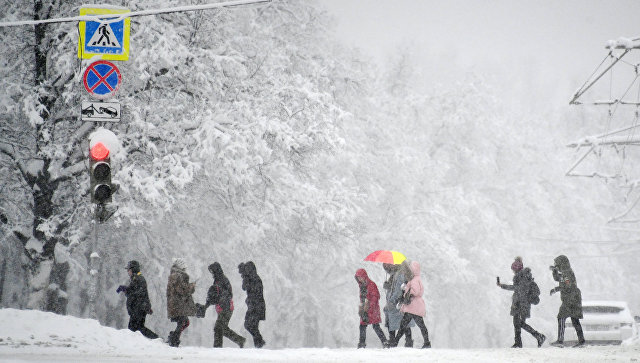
x,y
369,309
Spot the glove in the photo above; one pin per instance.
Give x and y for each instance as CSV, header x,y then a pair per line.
x,y
121,288
553,291
404,284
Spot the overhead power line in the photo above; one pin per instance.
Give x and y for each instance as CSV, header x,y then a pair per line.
x,y
110,18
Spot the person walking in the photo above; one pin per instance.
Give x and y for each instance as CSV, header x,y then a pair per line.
x,y
220,294
369,308
571,298
412,304
525,292
256,310
180,304
393,292
138,303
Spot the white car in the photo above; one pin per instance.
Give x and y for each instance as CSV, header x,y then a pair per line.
x,y
604,322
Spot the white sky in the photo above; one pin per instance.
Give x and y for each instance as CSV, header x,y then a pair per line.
x,y
547,43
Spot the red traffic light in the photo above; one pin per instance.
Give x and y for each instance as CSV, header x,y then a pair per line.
x,y
99,152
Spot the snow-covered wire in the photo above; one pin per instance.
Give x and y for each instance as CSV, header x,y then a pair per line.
x,y
112,18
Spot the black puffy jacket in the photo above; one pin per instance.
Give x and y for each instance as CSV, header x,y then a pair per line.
x,y
138,303
522,282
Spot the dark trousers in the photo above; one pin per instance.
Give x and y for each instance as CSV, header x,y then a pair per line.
x,y
408,341
404,325
519,323
136,323
376,328
221,329
182,324
576,324
251,324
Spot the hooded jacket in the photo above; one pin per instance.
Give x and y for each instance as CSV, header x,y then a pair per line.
x,y
220,293
252,284
369,296
179,294
570,294
415,288
520,304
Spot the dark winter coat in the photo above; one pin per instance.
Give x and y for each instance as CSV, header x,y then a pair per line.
x,y
138,303
179,294
220,293
522,283
369,299
570,294
252,284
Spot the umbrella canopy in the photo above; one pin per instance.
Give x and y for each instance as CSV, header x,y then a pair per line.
x,y
384,256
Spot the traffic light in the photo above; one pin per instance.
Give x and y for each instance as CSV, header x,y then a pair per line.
x,y
100,170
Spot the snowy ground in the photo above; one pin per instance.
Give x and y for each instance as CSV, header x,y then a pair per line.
x,y
27,335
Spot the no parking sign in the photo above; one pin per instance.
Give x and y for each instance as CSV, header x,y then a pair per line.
x,y
102,79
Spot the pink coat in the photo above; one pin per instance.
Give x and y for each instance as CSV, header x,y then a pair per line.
x,y
415,288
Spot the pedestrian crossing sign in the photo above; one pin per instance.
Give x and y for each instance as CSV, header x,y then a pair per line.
x,y
107,38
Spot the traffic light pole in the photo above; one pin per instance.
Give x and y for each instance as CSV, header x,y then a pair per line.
x,y
93,271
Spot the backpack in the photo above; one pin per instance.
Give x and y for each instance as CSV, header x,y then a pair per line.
x,y
534,293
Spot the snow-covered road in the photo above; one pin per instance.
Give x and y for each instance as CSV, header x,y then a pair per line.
x,y
27,335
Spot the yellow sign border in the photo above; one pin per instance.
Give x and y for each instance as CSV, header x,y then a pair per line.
x,y
83,54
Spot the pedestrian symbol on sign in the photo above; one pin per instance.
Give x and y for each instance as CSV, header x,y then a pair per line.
x,y
107,36
104,37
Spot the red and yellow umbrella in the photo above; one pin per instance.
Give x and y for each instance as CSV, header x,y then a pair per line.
x,y
384,256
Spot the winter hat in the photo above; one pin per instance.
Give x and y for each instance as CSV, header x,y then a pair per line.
x,y
179,263
517,264
134,266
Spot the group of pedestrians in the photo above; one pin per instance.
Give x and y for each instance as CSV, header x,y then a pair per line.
x,y
404,305
526,292
180,303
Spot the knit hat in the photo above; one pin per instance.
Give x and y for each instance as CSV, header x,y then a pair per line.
x,y
134,266
517,264
179,263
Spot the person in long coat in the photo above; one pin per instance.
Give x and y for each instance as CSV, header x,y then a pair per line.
x,y
256,309
220,294
180,304
369,308
413,305
393,292
571,298
520,302
138,303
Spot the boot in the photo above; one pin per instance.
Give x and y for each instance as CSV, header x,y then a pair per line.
x,y
558,344
580,343
241,342
408,343
259,343
362,345
426,345
173,339
540,338
517,341
408,338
